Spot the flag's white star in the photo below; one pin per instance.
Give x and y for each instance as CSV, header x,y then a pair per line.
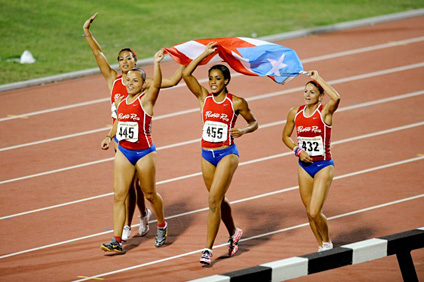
x,y
276,66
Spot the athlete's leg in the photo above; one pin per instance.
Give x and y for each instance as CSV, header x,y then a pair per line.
x,y
123,175
130,204
135,197
221,179
226,217
306,186
141,204
146,171
322,185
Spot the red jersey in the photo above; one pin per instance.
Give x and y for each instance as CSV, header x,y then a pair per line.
x,y
218,119
134,125
118,90
313,134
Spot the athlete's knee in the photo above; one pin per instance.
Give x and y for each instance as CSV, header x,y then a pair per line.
x,y
214,202
150,196
120,195
314,214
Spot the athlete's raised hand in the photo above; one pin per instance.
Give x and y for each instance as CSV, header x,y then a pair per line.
x,y
87,24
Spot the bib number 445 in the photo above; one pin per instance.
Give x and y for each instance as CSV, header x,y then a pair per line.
x,y
127,131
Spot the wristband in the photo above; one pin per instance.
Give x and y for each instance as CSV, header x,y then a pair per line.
x,y
110,137
86,35
298,151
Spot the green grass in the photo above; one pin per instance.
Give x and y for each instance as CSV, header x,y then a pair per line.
x,y
51,29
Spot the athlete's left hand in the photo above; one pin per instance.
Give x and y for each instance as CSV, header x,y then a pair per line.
x,y
305,158
236,133
105,143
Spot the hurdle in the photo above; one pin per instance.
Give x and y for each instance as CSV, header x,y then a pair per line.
x,y
400,244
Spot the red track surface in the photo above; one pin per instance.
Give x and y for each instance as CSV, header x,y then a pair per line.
x,y
61,243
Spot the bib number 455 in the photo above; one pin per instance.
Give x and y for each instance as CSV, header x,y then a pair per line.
x,y
215,131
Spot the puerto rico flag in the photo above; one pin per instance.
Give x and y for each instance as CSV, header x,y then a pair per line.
x,y
245,55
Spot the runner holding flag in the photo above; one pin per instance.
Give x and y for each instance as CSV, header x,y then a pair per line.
x,y
220,156
313,122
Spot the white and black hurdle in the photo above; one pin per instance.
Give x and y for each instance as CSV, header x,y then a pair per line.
x,y
400,244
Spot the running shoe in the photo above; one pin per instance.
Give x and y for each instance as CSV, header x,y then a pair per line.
x,y
144,223
206,257
325,246
234,240
162,233
126,232
113,246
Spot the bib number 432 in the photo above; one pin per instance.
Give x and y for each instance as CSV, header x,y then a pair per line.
x,y
313,145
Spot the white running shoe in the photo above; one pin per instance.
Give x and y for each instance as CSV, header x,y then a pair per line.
x,y
206,257
325,246
162,233
126,232
144,223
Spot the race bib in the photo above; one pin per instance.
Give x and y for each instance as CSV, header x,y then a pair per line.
x,y
127,131
215,131
113,111
313,145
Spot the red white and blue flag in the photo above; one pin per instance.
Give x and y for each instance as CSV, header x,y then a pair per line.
x,y
245,55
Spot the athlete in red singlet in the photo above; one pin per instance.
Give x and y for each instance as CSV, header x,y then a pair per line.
x,y
134,125
136,152
313,134
316,168
118,93
127,60
219,153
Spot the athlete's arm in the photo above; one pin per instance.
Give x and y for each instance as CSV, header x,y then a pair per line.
x,y
199,91
287,132
152,93
112,132
331,106
168,81
241,106
108,73
288,129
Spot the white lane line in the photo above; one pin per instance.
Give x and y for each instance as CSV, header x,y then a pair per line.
x,y
305,61
55,139
253,98
55,109
365,49
252,238
199,173
204,209
375,102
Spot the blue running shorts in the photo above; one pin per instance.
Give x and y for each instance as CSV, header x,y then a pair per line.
x,y
215,156
315,167
135,155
